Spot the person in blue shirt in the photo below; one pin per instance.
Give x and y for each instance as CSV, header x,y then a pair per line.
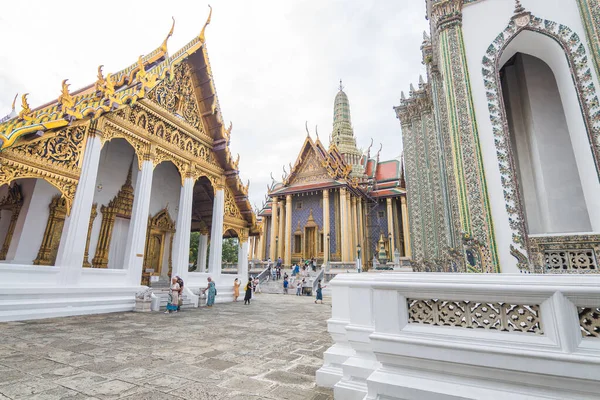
x,y
285,285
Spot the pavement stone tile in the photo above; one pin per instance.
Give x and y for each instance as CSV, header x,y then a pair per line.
x,y
268,350
247,385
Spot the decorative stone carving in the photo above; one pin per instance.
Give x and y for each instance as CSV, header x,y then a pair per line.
x,y
468,314
589,321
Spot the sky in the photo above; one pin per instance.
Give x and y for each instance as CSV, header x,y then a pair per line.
x,y
276,63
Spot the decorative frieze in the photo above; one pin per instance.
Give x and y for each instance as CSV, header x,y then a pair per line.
x,y
499,316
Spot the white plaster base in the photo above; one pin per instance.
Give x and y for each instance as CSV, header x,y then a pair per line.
x,y
24,303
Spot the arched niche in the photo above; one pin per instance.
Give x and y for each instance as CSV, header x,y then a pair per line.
x,y
561,49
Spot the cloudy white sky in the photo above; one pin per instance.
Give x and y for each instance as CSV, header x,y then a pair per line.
x,y
276,63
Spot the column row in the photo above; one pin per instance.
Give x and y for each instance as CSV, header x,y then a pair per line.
x,y
73,241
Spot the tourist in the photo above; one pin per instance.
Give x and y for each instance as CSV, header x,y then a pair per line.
x,y
302,285
313,264
296,270
257,285
173,302
236,289
248,289
319,292
180,294
285,285
212,292
299,288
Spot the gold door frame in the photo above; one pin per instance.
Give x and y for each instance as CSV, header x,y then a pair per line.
x,y
160,223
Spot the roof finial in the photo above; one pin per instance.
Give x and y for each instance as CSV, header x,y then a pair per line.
x,y
306,126
402,96
341,86
518,7
164,43
317,131
202,37
14,101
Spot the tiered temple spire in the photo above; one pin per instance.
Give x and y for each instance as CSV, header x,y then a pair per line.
x,y
342,135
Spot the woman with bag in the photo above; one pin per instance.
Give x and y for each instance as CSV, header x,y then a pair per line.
x,y
248,289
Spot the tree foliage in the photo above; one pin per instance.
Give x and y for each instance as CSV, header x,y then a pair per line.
x,y
230,249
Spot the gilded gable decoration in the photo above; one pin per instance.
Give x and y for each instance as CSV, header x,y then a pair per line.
x,y
55,157
177,96
231,209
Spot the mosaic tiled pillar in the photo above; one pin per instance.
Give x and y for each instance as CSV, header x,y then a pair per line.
x,y
590,15
344,224
326,229
390,222
405,228
274,229
281,243
288,230
475,215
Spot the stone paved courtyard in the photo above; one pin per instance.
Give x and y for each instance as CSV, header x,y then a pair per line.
x,y
268,350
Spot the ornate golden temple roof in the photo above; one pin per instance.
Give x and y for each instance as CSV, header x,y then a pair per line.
x,y
109,93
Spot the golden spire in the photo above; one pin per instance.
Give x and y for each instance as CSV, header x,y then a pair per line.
x,y
24,113
128,179
202,37
14,101
65,99
163,46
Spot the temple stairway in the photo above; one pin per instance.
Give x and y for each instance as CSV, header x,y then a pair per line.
x,y
161,290
276,286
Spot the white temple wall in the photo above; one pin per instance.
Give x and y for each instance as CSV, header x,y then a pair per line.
x,y
477,38
166,188
116,252
31,224
115,160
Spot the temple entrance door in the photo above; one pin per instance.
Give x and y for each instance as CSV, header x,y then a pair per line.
x,y
161,229
310,248
157,248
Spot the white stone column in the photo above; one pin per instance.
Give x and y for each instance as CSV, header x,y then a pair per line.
x,y
183,226
136,236
74,235
243,260
202,250
216,233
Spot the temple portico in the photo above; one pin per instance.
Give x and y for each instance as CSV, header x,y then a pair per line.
x,y
101,201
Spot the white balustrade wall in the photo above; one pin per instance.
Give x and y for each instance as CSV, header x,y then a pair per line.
x,y
463,336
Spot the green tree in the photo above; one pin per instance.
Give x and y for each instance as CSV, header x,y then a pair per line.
x,y
194,238
230,250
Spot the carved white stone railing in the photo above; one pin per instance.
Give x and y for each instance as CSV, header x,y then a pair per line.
x,y
467,336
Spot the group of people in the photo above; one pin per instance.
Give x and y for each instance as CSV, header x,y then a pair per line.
x,y
251,287
175,294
